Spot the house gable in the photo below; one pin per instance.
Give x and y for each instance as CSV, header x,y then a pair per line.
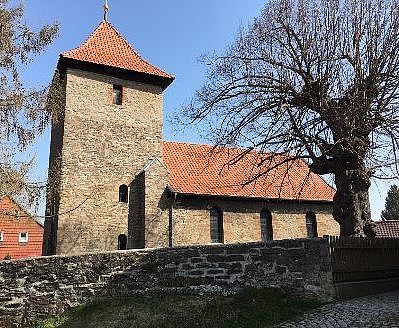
x,y
22,236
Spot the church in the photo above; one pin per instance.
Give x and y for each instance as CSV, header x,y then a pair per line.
x,y
114,183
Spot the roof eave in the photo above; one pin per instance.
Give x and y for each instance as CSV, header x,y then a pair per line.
x,y
125,74
254,198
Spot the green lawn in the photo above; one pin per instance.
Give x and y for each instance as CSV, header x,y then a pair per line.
x,y
248,309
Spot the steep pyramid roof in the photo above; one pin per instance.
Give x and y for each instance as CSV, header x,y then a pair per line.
x,y
107,47
203,170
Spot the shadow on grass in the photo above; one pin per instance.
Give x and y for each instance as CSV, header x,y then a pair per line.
x,y
248,309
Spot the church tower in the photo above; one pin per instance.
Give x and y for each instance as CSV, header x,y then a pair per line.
x,y
106,138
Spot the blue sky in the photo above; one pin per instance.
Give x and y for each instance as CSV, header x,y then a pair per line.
x,y
170,34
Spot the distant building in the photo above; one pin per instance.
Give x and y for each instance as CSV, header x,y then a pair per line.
x,y
116,184
387,229
20,235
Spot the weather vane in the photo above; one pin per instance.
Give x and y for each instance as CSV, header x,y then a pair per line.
x,y
106,8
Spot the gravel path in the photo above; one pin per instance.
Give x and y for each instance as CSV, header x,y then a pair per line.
x,y
366,312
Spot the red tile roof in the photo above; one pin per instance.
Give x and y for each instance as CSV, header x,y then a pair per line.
x,y
201,170
107,47
13,221
388,229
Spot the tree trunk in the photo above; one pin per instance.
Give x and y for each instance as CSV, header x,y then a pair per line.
x,y
351,203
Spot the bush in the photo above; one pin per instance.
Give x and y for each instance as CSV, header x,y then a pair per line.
x,y
7,257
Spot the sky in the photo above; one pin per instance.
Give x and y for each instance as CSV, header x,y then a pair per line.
x,y
170,34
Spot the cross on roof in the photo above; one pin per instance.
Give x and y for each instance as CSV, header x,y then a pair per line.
x,y
106,8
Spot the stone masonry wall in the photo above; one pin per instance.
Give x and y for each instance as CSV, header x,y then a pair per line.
x,y
241,220
56,104
157,204
31,290
104,146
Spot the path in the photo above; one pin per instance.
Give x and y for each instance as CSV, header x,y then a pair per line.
x,y
365,312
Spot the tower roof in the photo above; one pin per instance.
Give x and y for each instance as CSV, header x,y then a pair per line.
x,y
106,47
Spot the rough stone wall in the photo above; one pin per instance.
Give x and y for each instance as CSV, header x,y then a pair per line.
x,y
136,228
157,204
241,220
56,105
149,207
35,289
104,146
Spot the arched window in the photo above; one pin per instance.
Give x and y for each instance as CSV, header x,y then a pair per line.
x,y
266,225
311,224
123,193
216,217
122,242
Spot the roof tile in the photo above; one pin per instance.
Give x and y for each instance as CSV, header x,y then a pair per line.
x,y
202,170
387,229
106,46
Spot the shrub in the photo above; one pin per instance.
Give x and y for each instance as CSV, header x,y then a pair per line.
x,y
7,257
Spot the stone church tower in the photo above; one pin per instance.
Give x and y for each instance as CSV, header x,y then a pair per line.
x,y
106,145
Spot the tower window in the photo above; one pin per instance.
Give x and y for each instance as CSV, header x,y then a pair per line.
x,y
122,242
117,94
311,224
216,217
1,236
23,237
266,225
123,194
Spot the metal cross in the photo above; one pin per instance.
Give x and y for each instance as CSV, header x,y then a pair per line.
x,y
106,8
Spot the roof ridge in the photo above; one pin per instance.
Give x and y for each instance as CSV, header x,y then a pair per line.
x,y
107,46
124,40
383,221
253,151
208,145
131,47
191,174
85,42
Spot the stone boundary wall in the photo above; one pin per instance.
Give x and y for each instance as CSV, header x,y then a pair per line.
x,y
34,289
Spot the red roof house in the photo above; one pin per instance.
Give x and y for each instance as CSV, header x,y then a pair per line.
x,y
20,235
387,229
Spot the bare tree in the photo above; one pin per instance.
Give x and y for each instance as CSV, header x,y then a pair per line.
x,y
23,114
317,80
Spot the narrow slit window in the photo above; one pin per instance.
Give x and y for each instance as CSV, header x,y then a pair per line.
x,y
117,94
216,218
1,236
123,194
311,224
266,225
122,242
23,237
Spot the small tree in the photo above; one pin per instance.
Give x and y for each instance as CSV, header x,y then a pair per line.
x,y
317,80
22,111
391,211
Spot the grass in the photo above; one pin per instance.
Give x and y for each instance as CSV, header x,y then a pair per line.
x,y
247,309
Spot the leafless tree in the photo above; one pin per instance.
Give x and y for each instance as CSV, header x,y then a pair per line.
x,y
23,114
317,80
